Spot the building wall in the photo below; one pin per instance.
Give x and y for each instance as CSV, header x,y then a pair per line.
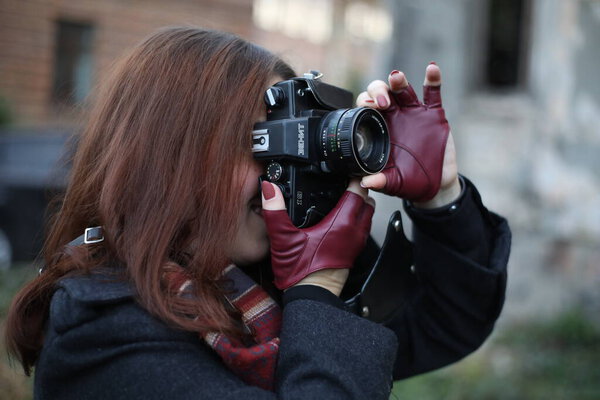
x,y
28,32
451,33
28,39
566,174
532,149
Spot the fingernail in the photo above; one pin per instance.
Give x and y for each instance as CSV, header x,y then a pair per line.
x,y
394,72
432,62
382,101
362,185
268,191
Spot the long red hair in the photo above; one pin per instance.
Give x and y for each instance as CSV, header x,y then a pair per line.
x,y
156,167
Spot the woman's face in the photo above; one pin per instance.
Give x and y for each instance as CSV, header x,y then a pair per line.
x,y
251,243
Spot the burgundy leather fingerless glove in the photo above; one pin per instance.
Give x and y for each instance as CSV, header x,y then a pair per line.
x,y
418,136
334,242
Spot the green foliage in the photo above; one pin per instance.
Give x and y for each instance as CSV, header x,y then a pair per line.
x,y
15,385
553,359
11,281
5,112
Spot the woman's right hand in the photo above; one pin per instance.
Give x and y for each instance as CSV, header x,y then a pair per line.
x,y
321,254
422,165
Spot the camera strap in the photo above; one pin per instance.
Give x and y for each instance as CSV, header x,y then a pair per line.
x,y
91,235
391,279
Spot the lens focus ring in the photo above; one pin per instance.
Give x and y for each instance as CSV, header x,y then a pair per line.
x,y
345,133
354,141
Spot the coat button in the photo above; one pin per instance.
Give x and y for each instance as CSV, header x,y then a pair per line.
x,y
364,312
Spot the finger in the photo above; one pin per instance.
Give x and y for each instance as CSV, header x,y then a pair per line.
x,y
364,100
375,182
397,81
355,187
433,75
274,213
407,97
432,96
272,198
379,91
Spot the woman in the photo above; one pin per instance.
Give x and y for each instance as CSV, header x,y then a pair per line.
x,y
158,303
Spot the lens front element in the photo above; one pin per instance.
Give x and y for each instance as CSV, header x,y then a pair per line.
x,y
354,141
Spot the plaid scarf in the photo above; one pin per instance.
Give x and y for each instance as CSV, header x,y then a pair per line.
x,y
253,362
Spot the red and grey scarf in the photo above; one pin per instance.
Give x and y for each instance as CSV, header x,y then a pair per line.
x,y
254,363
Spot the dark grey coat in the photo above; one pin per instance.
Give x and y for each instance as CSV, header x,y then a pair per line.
x,y
100,344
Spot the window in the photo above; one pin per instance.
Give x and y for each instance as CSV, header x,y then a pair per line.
x,y
72,62
507,38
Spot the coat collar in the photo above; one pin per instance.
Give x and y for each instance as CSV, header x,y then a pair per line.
x,y
106,285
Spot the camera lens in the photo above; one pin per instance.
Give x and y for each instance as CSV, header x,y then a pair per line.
x,y
364,139
354,141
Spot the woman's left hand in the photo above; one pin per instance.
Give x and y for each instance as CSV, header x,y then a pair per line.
x,y
422,165
321,254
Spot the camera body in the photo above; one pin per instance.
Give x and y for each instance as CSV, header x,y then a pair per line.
x,y
312,143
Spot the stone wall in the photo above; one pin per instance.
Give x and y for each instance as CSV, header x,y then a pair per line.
x,y
533,150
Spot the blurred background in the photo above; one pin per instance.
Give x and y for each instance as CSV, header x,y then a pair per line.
x,y
521,94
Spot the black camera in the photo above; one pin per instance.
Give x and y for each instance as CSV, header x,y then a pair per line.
x,y
313,141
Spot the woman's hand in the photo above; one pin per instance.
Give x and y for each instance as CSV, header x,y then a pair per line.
x,y
422,165
322,254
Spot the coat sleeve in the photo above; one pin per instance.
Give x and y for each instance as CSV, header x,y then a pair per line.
x,y
460,262
329,353
112,348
